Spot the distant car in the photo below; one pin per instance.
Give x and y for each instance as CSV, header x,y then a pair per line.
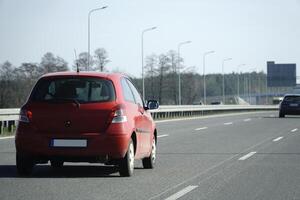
x,y
290,105
216,103
85,117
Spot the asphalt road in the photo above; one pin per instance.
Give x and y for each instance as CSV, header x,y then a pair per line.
x,y
244,156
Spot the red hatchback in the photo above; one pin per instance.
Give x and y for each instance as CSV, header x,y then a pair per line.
x,y
85,117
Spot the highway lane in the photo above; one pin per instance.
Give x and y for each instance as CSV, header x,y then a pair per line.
x,y
203,153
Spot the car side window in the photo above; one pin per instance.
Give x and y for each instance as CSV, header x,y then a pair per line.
x,y
127,93
136,94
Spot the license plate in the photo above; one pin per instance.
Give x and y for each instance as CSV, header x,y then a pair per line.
x,y
293,105
68,143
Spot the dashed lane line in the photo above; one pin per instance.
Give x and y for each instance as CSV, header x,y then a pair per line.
x,y
201,128
182,192
245,157
277,139
161,136
294,130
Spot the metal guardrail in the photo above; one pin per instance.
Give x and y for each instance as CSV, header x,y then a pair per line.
x,y
200,110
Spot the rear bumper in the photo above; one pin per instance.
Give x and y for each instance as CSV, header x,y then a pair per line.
x,y
98,145
290,111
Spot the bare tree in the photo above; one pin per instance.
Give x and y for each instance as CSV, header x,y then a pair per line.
x,y
163,68
82,62
6,78
50,63
173,56
101,59
151,72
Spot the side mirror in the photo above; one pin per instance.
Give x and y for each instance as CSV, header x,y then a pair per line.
x,y
152,104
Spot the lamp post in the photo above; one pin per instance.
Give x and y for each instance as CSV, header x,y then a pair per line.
x,y
223,62
178,66
143,79
89,31
238,79
250,87
204,82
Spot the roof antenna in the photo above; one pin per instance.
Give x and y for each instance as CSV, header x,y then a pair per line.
x,y
77,66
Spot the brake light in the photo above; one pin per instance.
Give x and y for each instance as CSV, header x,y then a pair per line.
x,y
25,116
117,115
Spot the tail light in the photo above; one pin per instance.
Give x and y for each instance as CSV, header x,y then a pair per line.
x,y
25,116
118,115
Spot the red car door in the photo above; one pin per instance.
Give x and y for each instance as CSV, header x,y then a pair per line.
x,y
145,124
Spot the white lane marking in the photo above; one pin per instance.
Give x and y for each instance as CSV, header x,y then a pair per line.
x,y
9,137
182,192
165,135
247,120
228,123
202,128
277,139
294,130
247,155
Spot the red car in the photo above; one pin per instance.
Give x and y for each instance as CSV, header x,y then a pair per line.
x,y
85,117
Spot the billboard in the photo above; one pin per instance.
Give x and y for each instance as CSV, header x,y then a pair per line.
x,y
281,75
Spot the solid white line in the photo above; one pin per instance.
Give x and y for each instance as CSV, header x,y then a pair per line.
x,y
247,155
277,139
202,128
247,120
182,192
9,137
165,135
294,130
228,123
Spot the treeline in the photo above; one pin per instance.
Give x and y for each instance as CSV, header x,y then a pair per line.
x,y
161,78
16,82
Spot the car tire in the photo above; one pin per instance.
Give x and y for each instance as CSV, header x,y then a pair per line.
x,y
24,164
149,162
57,164
281,115
126,165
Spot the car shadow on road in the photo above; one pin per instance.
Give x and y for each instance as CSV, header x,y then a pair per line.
x,y
69,171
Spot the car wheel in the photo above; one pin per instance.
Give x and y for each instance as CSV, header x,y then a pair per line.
x,y
24,163
149,162
57,164
127,163
281,115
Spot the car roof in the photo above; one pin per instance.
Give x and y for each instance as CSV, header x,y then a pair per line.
x,y
85,74
292,95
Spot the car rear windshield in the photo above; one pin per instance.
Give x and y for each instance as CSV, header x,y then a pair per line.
x,y
292,98
81,90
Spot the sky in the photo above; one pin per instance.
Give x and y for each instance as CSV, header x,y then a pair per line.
x,y
251,32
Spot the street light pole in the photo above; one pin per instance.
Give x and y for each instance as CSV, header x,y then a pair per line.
x,y
250,87
178,63
204,81
223,62
89,30
143,79
238,80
